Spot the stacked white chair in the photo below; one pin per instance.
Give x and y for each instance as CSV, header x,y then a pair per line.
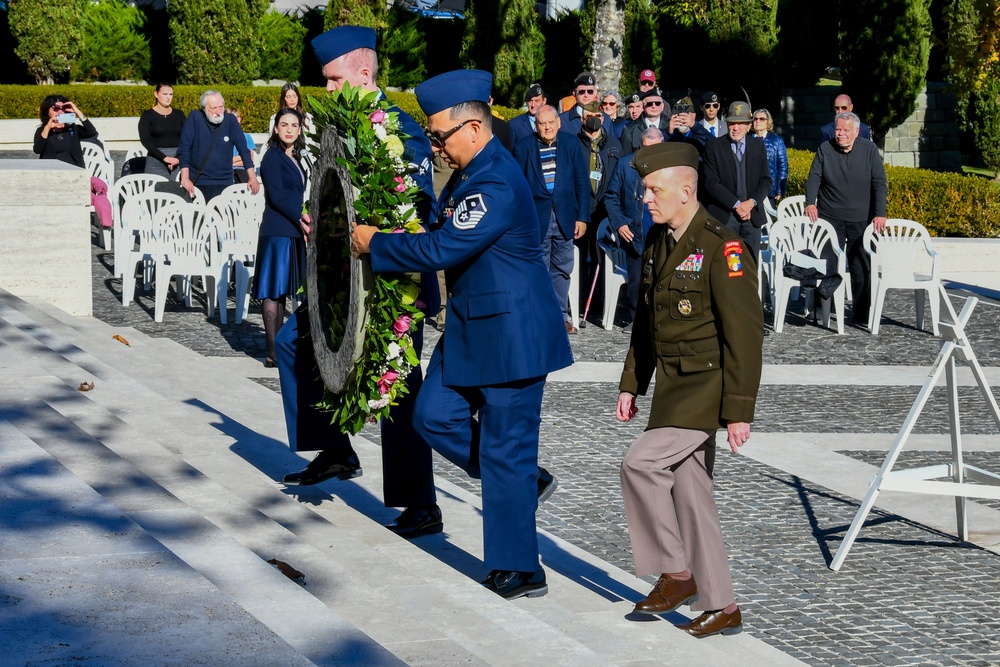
x,y
134,152
790,238
140,210
790,207
100,165
126,188
187,247
239,220
613,282
895,253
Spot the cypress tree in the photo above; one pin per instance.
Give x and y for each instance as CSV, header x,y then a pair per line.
x,y
283,40
48,35
509,44
114,47
215,41
884,59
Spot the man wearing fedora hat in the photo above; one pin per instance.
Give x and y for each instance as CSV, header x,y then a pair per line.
x,y
699,327
737,178
505,327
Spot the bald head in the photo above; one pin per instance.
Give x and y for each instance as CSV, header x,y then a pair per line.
x,y
843,104
547,123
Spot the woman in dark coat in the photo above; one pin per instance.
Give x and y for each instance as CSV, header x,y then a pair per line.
x,y
55,140
280,248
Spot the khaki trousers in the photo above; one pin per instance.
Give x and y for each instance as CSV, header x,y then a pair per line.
x,y
672,518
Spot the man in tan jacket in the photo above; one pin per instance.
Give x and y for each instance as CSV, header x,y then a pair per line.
x,y
699,326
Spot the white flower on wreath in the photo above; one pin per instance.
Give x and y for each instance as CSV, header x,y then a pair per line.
x,y
378,404
380,131
394,351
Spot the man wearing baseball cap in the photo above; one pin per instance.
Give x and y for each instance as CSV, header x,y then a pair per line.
x,y
699,327
524,125
647,80
505,327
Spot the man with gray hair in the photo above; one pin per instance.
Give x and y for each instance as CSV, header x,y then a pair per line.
x,y
847,188
205,152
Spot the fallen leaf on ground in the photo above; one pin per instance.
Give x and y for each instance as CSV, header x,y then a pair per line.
x,y
85,386
121,340
289,571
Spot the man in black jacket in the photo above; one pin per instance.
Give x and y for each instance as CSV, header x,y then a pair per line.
x,y
737,178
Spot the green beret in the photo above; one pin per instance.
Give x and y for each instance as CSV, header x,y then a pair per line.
x,y
592,107
660,156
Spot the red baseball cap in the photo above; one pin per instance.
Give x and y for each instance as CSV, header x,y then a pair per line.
x,y
647,75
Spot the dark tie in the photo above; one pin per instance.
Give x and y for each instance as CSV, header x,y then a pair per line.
x,y
739,151
671,242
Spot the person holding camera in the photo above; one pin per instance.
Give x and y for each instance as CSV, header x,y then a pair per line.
x,y
683,126
59,136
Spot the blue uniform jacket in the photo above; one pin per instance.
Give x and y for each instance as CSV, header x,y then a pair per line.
x,y
623,200
283,194
571,196
504,323
520,127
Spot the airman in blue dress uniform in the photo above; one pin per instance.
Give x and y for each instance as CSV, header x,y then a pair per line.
x,y
347,54
505,330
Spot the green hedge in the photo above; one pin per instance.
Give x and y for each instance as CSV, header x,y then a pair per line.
x,y
256,103
947,204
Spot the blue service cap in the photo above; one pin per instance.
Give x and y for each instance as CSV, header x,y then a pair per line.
x,y
446,90
334,43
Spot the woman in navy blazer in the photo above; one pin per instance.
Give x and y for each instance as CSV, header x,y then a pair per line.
x,y
281,262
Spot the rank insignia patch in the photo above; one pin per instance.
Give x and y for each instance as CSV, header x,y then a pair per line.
x,y
469,212
691,263
734,258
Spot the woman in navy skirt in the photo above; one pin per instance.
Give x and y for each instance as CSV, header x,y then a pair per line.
x,y
281,255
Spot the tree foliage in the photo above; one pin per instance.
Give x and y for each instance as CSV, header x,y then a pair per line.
x,y
972,43
282,43
642,46
403,50
503,37
216,41
114,47
984,116
367,13
884,59
49,36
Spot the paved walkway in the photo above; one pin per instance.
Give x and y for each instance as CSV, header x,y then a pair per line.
x,y
909,593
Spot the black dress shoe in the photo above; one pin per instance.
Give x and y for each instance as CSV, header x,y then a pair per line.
x,y
417,521
329,464
547,484
511,585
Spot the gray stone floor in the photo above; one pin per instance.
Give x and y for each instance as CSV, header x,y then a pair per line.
x,y
909,594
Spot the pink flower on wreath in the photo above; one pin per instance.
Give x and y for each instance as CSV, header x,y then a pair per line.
x,y
400,184
402,325
377,116
387,380
397,230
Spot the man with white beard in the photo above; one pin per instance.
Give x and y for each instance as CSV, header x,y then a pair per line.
x,y
205,152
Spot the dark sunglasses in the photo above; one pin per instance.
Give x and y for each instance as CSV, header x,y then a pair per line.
x,y
609,104
836,108
711,105
653,104
437,140
585,91
60,107
762,119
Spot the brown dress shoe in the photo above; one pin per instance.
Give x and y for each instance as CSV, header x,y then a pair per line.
x,y
667,595
570,329
714,623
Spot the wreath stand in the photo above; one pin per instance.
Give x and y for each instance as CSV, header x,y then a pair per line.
x,y
955,347
336,356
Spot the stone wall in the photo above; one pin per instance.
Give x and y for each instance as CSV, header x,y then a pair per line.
x,y
927,139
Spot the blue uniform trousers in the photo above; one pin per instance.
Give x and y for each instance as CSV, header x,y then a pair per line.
x,y
407,471
500,448
557,253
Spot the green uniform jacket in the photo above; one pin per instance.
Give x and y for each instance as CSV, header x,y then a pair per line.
x,y
700,325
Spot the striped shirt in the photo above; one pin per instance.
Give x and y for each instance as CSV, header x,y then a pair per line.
x,y
547,154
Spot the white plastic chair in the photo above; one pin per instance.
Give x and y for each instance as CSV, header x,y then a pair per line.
x,y
574,289
895,252
238,225
187,247
140,212
790,207
100,165
789,239
612,281
124,189
134,152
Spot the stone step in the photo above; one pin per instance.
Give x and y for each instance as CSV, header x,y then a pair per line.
x,y
418,600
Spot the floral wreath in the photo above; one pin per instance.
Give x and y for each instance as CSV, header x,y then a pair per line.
x,y
385,197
